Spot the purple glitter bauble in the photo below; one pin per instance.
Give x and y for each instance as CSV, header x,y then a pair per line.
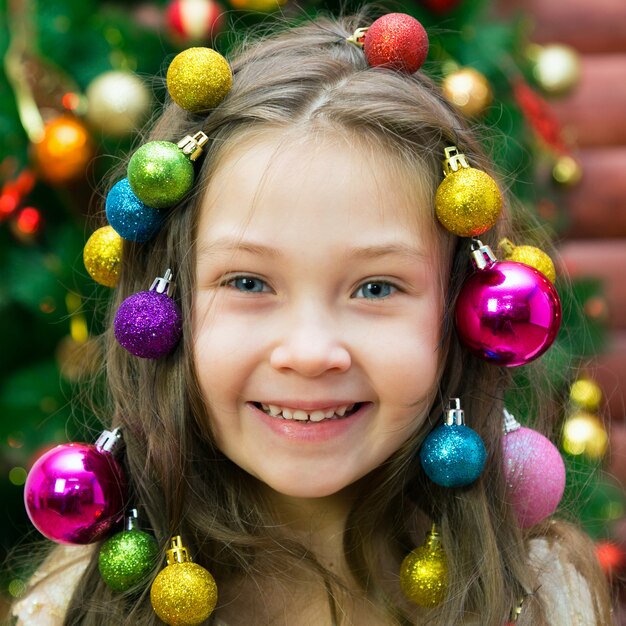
x,y
75,493
508,313
148,324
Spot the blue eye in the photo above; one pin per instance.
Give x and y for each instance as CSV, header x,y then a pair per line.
x,y
375,290
248,284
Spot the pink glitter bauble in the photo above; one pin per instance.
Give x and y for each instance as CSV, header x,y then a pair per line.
x,y
508,313
398,41
75,493
535,475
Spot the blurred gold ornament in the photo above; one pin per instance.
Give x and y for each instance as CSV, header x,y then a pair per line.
x,y
117,103
584,434
586,394
529,255
468,90
567,171
556,68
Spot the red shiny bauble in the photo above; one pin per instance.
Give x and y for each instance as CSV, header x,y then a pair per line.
x,y
508,313
75,493
398,41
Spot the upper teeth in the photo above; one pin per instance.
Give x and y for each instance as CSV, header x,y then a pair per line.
x,y
313,416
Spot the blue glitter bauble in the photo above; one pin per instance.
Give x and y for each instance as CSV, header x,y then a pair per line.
x,y
453,456
129,216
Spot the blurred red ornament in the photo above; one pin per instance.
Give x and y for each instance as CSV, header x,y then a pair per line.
x,y
191,21
397,41
611,557
28,224
440,6
13,192
65,150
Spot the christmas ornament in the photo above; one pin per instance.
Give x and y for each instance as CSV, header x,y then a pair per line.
x,y
586,394
453,455
102,256
198,79
556,68
468,90
611,557
264,6
529,255
583,433
27,225
507,313
161,173
424,572
127,558
117,103
65,150
397,41
534,472
129,216
184,593
75,493
468,201
149,324
567,171
194,20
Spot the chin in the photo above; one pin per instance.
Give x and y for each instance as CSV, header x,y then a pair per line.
x,y
305,489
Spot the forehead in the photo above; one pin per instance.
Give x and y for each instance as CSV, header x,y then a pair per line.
x,y
280,184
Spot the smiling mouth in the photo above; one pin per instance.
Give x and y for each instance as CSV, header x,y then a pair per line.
x,y
332,413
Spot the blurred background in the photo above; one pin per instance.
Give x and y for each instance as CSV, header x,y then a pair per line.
x,y
81,77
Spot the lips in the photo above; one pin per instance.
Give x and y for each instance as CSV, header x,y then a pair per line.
x,y
317,415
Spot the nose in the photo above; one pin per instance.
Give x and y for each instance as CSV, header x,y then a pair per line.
x,y
311,344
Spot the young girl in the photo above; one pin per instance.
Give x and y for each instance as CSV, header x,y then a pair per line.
x,y
281,438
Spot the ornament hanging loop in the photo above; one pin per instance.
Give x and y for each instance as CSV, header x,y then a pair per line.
x,y
482,255
358,36
454,160
510,424
109,440
177,552
454,416
192,146
164,284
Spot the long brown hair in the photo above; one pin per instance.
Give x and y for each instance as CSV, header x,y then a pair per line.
x,y
308,75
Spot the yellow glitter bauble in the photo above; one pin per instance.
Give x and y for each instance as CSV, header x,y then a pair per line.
x,y
424,573
529,255
183,594
584,434
468,90
102,256
586,394
468,202
198,79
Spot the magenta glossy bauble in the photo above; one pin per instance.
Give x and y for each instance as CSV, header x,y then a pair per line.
x,y
75,493
508,313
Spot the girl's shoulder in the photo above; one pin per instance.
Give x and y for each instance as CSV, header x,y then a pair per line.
x,y
51,587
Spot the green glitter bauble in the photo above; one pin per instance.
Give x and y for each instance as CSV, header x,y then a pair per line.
x,y
160,175
127,558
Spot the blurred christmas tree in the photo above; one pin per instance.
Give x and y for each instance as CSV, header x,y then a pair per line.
x,y
81,77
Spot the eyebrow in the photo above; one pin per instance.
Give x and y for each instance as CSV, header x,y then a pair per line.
x,y
360,252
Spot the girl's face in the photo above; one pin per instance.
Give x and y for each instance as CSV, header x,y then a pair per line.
x,y
317,313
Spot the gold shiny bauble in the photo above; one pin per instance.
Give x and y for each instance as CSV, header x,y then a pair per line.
x,y
424,573
65,150
264,6
586,394
198,79
556,69
529,255
102,256
183,594
583,433
117,103
567,171
468,202
468,90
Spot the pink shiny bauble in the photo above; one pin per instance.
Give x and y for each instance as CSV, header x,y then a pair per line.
x,y
508,313
75,493
534,473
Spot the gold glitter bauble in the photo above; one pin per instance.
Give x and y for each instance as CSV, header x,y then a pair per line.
x,y
468,90
567,171
183,594
586,394
198,79
424,573
557,68
468,202
102,256
529,255
583,433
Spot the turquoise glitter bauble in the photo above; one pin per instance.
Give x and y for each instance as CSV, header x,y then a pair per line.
x,y
160,174
127,558
453,455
